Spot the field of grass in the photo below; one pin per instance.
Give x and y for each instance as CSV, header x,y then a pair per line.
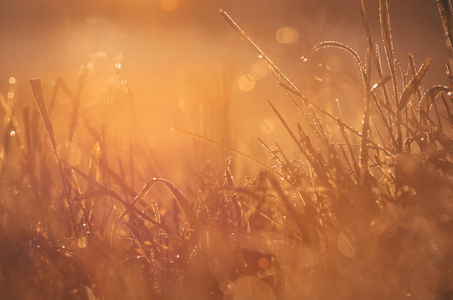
x,y
360,212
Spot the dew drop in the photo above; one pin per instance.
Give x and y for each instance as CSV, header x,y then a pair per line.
x,y
12,80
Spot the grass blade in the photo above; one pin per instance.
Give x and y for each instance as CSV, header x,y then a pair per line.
x,y
413,86
38,95
446,15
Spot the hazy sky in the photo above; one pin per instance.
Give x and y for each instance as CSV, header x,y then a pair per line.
x,y
41,36
179,53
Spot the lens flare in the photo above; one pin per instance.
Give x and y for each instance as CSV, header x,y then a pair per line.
x,y
246,82
287,35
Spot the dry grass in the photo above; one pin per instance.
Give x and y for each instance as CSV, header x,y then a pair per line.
x,y
357,213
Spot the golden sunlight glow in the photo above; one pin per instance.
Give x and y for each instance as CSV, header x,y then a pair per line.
x,y
181,104
169,5
205,149
72,153
246,82
287,35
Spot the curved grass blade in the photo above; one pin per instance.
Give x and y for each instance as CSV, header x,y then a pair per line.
x,y
185,206
102,191
333,44
432,94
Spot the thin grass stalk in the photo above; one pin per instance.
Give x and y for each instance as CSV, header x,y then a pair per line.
x,y
258,51
94,163
366,105
198,137
377,103
76,108
348,143
377,130
448,110
291,86
102,191
449,75
375,55
290,208
446,14
364,172
428,100
38,95
10,122
414,72
388,43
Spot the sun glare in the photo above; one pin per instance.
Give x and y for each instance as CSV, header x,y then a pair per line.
x,y
287,35
169,5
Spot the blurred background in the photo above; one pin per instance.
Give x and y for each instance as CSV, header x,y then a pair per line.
x,y
175,63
